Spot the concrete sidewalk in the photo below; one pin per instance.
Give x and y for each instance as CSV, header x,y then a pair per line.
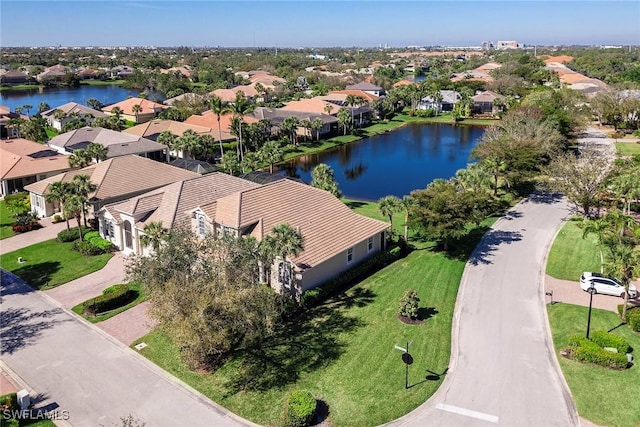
x,y
48,231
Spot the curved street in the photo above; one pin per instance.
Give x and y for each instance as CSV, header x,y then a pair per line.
x,y
503,370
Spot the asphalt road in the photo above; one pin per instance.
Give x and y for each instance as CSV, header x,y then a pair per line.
x,y
80,369
504,371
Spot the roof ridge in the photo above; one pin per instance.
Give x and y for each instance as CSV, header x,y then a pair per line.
x,y
175,212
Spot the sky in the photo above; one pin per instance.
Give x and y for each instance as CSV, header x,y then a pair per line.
x,y
303,23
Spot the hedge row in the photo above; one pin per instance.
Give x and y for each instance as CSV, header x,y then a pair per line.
x,y
343,281
72,234
113,297
587,351
605,339
92,244
632,317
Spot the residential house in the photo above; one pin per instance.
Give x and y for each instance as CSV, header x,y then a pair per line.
x,y
229,95
336,238
449,99
148,110
116,179
51,76
367,87
276,116
485,102
210,120
14,78
182,71
23,162
188,97
152,130
90,74
71,110
121,71
117,143
472,75
6,130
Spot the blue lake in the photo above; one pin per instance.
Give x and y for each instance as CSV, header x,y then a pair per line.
x,y
396,162
56,96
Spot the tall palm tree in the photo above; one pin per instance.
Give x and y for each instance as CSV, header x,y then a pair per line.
x,y
290,127
136,109
306,124
316,125
627,188
389,205
58,192
328,108
28,108
272,153
283,241
168,139
190,143
229,162
42,107
95,104
623,263
116,112
97,151
407,203
219,107
351,101
344,118
600,228
251,161
83,187
476,177
240,108
74,207
154,235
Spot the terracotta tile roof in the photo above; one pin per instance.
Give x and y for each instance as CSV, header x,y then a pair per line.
x,y
22,158
171,203
489,66
404,83
312,105
148,107
486,96
154,128
367,96
328,225
117,143
188,97
210,120
229,95
266,79
121,176
472,75
74,107
561,59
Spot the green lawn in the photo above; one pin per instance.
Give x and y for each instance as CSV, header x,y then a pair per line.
x,y
628,148
102,82
571,255
603,396
54,259
6,219
140,297
20,87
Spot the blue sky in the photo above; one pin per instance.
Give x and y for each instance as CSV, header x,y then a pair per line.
x,y
316,23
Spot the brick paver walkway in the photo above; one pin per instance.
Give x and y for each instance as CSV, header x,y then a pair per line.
x,y
129,325
570,292
48,231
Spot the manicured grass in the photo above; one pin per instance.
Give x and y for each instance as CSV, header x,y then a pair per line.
x,y
102,82
140,297
342,351
571,255
51,132
372,210
628,148
20,87
6,219
57,261
603,396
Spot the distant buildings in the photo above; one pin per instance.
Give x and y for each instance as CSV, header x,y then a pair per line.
x,y
510,44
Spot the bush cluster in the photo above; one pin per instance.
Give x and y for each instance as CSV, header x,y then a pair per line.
x,y
587,351
301,409
24,222
113,297
92,244
72,234
334,286
57,218
632,318
429,112
605,339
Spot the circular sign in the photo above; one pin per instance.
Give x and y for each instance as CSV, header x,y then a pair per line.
x,y
407,359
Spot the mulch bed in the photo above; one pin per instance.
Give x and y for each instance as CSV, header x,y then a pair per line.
x,y
409,321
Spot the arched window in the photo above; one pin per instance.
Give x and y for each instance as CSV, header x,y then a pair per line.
x,y
128,237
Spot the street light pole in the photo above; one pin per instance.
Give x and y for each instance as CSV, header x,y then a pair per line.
x,y
591,290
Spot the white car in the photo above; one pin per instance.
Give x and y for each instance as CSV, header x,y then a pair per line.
x,y
605,285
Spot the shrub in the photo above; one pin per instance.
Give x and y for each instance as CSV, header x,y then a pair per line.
x,y
630,309
310,298
57,218
301,409
86,248
113,297
72,234
634,320
25,222
409,304
605,339
91,235
587,351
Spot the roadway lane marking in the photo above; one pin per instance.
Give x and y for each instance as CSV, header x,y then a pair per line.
x,y
467,412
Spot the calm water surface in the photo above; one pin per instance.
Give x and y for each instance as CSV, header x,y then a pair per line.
x,y
396,162
56,96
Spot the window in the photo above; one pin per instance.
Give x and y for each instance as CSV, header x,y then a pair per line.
x,y
105,228
111,233
128,237
349,255
37,201
369,244
201,226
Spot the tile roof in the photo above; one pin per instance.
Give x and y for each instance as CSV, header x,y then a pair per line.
x,y
229,95
154,128
120,176
367,96
210,119
364,86
486,96
74,107
148,107
188,97
117,143
277,115
22,158
171,203
328,225
312,105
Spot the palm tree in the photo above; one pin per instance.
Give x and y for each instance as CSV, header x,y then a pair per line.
x,y
627,188
28,108
136,109
168,139
58,192
74,207
623,264
95,104
97,152
360,101
79,159
16,123
344,118
284,241
83,187
476,177
190,143
290,127
272,153
229,162
154,235
351,101
306,124
328,108
219,107
250,162
407,203
240,108
389,205
322,177
600,228
59,114
116,112
42,107
316,125
498,167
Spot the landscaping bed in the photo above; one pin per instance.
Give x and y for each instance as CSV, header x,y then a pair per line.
x,y
134,297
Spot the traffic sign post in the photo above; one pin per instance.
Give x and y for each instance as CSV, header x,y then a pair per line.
x,y
407,359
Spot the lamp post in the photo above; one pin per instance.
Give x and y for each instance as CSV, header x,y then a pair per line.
x,y
591,290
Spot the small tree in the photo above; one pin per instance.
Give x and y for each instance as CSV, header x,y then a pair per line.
x,y
409,304
322,177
